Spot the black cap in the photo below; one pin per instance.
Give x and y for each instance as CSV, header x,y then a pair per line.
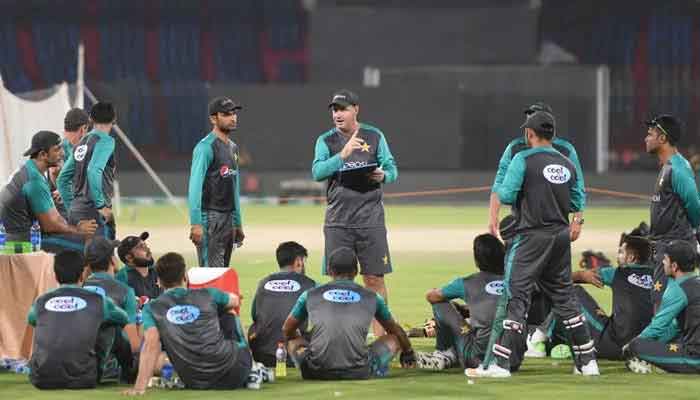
x,y
541,121
538,106
129,243
342,258
344,98
99,249
223,105
668,125
75,118
43,140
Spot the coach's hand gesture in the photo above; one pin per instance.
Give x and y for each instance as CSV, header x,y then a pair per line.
x,y
196,234
354,143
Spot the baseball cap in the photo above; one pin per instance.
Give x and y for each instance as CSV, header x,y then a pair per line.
x,y
99,249
75,118
223,105
128,243
344,98
541,121
43,140
667,124
343,258
538,106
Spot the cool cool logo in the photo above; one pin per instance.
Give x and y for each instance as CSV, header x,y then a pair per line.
x,y
65,304
181,315
494,287
643,281
556,173
341,296
95,289
283,285
80,152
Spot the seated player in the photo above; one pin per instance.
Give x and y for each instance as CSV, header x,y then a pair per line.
x,y
138,272
632,309
466,340
202,338
123,344
276,295
340,313
66,322
669,346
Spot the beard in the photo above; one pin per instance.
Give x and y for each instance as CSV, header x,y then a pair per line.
x,y
226,128
142,262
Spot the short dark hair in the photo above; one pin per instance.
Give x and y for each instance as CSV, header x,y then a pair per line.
x,y
103,113
171,269
287,252
682,253
639,246
489,253
68,265
100,265
342,261
545,134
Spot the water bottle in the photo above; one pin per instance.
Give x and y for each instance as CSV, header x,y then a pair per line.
x,y
3,238
167,372
35,236
281,360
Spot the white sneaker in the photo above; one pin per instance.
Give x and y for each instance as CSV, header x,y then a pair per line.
x,y
435,361
590,369
638,366
536,348
493,371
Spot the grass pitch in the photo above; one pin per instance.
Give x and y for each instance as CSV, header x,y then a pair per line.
x,y
415,272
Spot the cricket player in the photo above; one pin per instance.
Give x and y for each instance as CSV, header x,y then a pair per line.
x,y
276,295
86,181
138,272
27,198
459,341
671,347
340,313
675,206
519,144
542,186
214,188
205,353
66,322
355,213
632,310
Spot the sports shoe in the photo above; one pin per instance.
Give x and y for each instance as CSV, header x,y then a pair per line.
x,y
639,366
493,371
435,361
255,378
590,369
535,349
560,352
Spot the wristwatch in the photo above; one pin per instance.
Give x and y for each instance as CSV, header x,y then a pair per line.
x,y
579,220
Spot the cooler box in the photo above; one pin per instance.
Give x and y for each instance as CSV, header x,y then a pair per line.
x,y
224,279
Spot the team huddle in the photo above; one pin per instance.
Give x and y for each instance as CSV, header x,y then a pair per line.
x,y
142,320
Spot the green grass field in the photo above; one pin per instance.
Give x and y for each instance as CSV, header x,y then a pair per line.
x,y
415,272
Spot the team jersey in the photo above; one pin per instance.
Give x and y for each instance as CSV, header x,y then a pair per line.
x,y
274,299
520,144
481,292
86,180
542,186
142,285
339,314
214,179
675,206
66,321
632,308
188,324
25,196
353,202
681,301
121,294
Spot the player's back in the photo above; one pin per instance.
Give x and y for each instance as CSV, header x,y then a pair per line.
x,y
274,299
67,322
482,290
93,145
632,305
689,319
544,200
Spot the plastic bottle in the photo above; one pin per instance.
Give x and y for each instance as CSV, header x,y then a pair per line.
x,y
281,360
166,372
3,238
35,236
